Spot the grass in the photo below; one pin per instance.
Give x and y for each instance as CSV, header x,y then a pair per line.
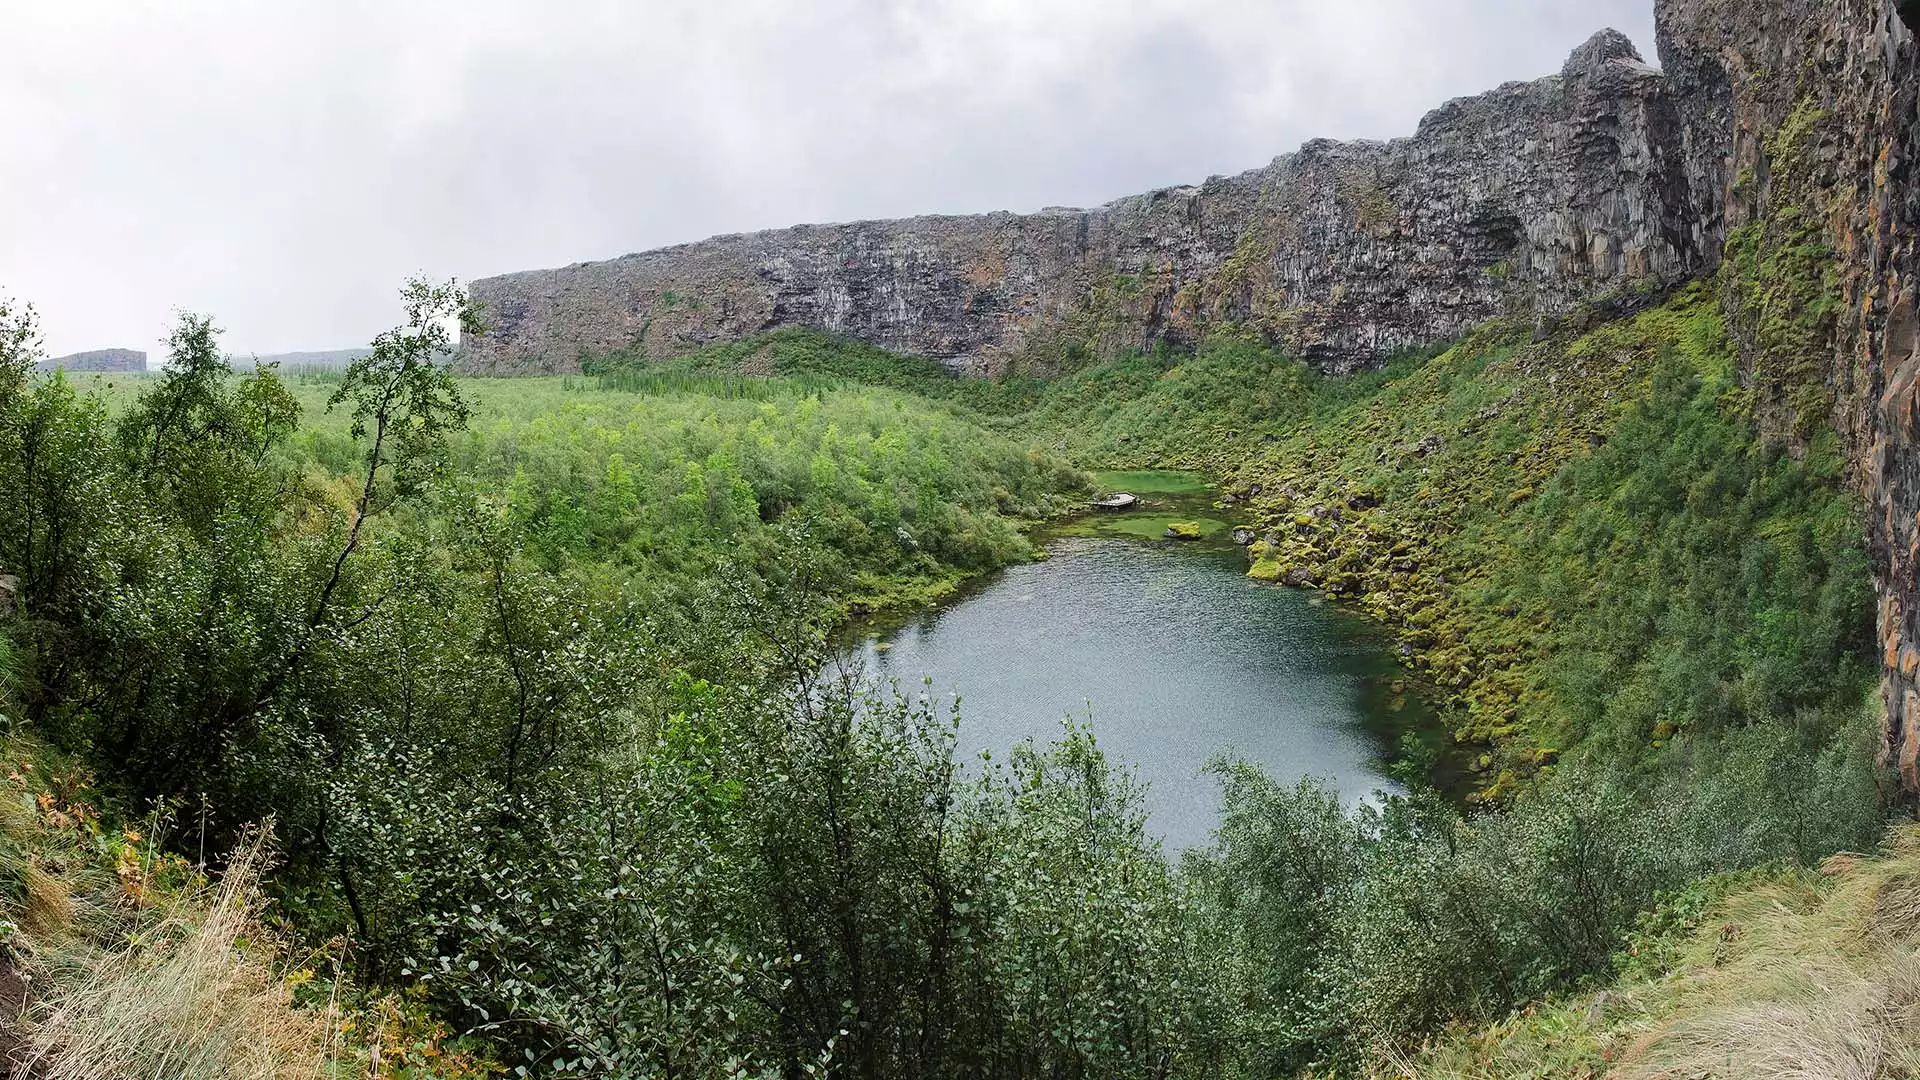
x,y
1154,482
119,961
1146,524
1581,544
1168,499
185,997
1792,975
127,962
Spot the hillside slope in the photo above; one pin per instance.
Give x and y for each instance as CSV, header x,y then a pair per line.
x,y
1761,976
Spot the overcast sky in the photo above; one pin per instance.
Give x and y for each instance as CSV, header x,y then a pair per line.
x,y
284,166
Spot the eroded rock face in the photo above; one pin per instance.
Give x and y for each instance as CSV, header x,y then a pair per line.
x,y
1532,198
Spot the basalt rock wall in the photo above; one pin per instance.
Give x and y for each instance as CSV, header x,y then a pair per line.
x,y
1802,121
1530,198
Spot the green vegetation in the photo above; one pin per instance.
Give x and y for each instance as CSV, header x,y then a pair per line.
x,y
528,690
1584,542
1174,410
1648,627
134,963
903,497
1783,282
788,353
1155,482
1359,932
1169,499
527,676
1776,973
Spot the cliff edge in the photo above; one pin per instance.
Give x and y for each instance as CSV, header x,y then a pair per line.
x,y
1532,197
98,360
1802,124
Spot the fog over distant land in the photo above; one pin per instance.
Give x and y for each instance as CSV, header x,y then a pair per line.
x,y
294,361
284,168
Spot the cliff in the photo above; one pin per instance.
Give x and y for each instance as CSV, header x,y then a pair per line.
x,y
1775,151
99,360
1532,197
1802,121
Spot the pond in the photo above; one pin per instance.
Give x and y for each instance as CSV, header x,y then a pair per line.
x,y
1170,651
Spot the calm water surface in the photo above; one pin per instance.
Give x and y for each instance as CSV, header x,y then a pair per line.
x,y
1176,657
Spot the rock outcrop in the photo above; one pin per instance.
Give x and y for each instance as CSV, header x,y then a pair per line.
x,y
1533,197
99,360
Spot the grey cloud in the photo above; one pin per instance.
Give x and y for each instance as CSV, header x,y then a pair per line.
x,y
284,167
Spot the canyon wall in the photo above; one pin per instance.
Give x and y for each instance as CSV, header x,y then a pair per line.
x,y
1802,122
1777,149
1530,198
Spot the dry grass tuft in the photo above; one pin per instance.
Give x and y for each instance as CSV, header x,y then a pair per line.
x,y
1796,977
1814,983
183,1000
19,818
47,907
1897,908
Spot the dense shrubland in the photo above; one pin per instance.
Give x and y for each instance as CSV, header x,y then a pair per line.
x,y
531,698
1587,546
527,675
1647,625
1771,973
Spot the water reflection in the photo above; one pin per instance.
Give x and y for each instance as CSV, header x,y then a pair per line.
x,y
1174,654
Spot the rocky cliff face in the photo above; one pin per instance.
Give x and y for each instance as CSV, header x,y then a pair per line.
x,y
1779,150
1532,198
100,360
1802,121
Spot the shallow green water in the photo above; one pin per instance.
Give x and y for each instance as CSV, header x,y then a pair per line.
x,y
1174,654
1167,497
